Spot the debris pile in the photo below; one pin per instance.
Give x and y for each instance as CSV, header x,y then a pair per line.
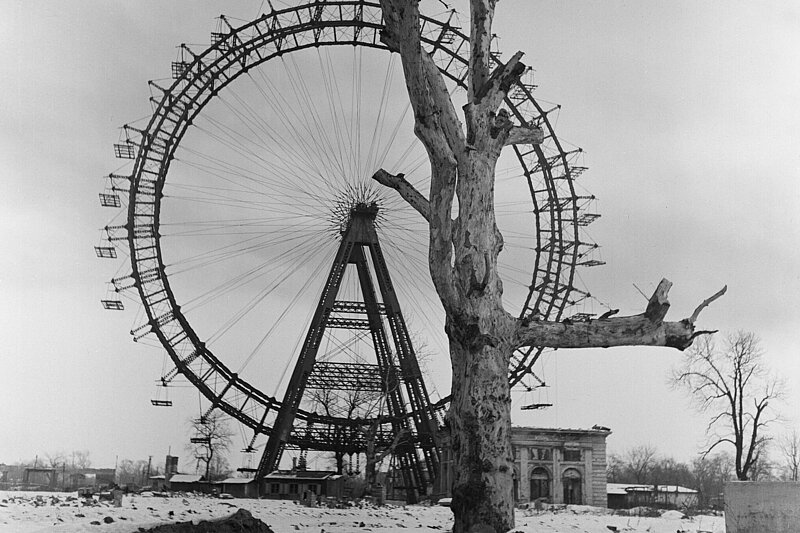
x,y
240,522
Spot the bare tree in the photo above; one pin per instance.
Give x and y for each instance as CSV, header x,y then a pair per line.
x,y
366,404
710,474
130,472
789,446
80,459
640,461
615,468
55,459
463,255
734,386
373,454
220,467
211,439
763,468
344,404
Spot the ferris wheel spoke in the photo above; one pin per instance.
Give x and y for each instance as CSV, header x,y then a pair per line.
x,y
230,173
273,166
289,269
339,118
312,125
247,244
299,296
282,151
280,108
311,243
274,170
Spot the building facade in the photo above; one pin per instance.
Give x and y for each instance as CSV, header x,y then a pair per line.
x,y
551,465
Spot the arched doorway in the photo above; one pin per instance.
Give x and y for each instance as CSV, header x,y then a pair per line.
x,y
571,480
540,484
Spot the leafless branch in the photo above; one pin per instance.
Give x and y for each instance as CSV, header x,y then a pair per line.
x,y
706,303
406,190
646,329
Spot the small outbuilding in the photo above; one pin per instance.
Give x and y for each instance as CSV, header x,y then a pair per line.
x,y
158,483
301,484
627,495
676,496
187,483
239,487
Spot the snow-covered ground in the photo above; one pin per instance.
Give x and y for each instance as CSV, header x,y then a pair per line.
x,y
25,512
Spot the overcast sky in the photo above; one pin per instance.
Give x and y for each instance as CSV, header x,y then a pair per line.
x,y
688,113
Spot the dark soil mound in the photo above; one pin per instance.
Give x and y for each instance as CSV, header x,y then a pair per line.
x,y
239,522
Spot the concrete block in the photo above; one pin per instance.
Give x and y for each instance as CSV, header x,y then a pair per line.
x,y
756,506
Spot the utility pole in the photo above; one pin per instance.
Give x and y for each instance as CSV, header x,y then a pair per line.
x,y
149,462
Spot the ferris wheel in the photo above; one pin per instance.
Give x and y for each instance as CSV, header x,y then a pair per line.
x,y
244,187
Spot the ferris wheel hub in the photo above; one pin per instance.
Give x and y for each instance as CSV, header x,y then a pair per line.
x,y
363,209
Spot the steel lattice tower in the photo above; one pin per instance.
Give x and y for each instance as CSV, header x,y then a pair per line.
x,y
396,373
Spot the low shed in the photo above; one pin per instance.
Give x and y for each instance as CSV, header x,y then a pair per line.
x,y
159,482
187,483
300,484
239,487
627,495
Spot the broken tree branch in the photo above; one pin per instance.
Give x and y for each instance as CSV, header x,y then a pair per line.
x,y
646,329
494,91
706,302
658,305
525,135
406,190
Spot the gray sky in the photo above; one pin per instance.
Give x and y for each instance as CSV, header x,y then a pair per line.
x,y
687,112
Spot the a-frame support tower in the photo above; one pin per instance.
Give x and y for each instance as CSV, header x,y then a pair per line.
x,y
396,372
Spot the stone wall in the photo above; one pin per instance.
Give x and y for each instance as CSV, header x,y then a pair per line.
x,y
754,506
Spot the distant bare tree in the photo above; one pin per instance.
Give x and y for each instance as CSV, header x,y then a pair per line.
x,y
615,467
710,474
55,459
130,472
668,471
81,460
763,468
789,446
212,438
220,468
343,404
640,461
734,385
374,455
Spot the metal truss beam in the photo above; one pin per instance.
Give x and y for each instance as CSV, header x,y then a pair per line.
x,y
347,377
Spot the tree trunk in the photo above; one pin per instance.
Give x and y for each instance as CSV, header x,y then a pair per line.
x,y
480,423
339,456
480,334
